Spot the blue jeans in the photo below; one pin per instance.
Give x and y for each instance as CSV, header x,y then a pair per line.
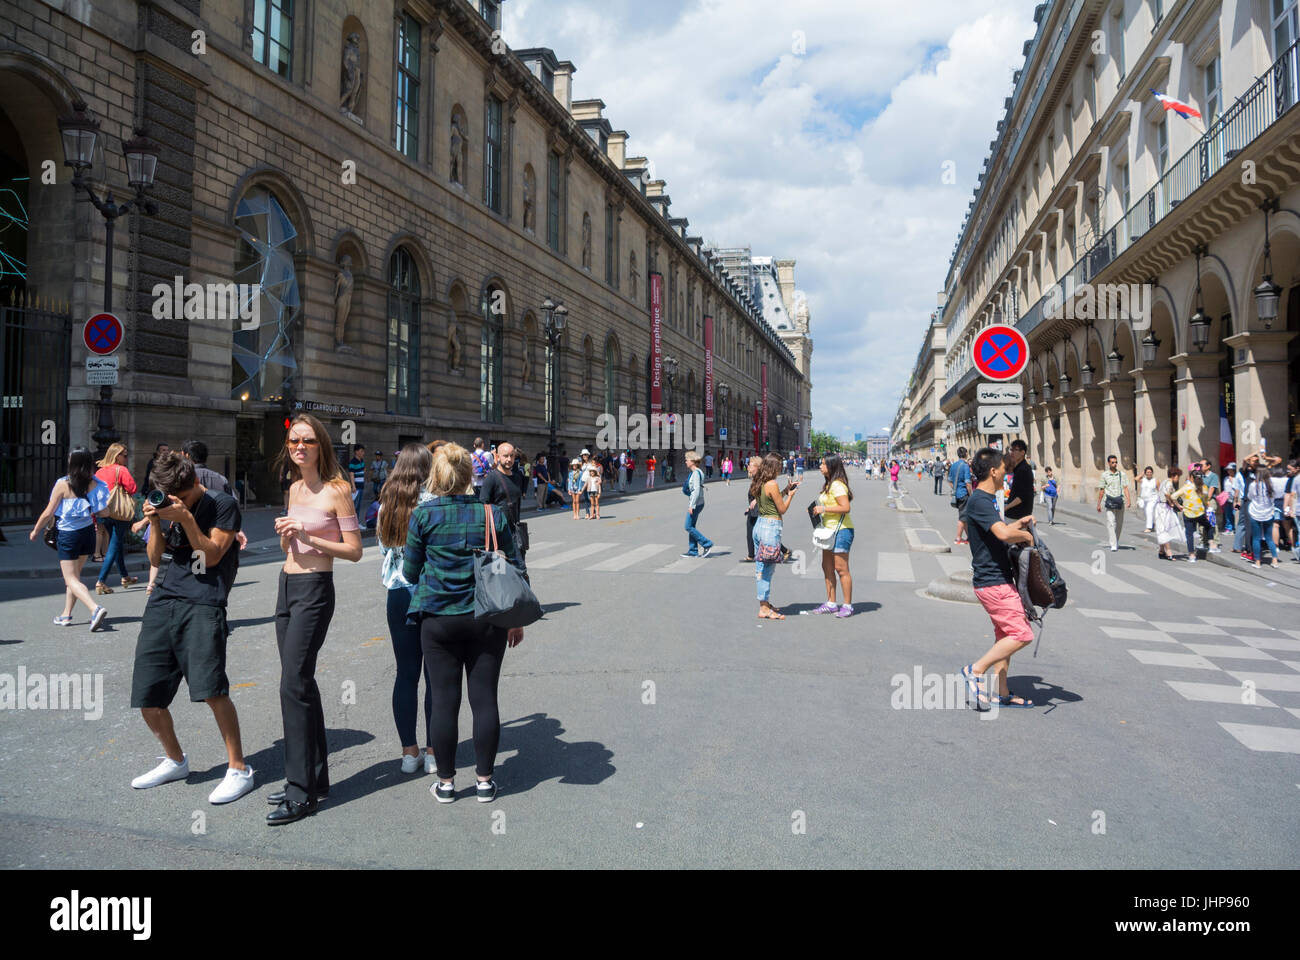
x,y
357,497
695,541
767,532
1240,540
116,550
1261,532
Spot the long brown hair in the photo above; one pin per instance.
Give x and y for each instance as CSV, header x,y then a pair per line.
x,y
327,464
835,471
401,493
769,468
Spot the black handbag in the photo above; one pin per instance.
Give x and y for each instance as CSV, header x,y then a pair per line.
x,y
51,537
501,594
1114,503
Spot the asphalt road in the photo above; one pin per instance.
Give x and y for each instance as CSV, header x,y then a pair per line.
x,y
652,721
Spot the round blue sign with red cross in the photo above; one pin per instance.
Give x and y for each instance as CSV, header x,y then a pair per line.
x,y
103,334
1000,352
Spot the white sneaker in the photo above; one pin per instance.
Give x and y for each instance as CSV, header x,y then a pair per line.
x,y
410,764
430,762
235,784
1191,559
165,772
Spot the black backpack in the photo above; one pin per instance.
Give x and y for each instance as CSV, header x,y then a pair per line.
x,y
1038,581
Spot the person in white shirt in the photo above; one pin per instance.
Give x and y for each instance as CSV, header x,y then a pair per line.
x,y
1148,497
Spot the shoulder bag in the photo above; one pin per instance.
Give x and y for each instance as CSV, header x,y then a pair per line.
x,y
120,506
501,595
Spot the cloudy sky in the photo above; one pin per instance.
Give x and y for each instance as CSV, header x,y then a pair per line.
x,y
818,131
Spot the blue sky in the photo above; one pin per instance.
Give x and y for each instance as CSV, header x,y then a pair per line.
x,y
816,131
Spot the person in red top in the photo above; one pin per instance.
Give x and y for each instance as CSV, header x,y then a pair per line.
x,y
650,471
112,470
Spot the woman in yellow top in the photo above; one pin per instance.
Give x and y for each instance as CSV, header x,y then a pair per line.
x,y
1191,497
833,507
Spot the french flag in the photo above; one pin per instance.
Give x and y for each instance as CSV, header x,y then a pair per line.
x,y
1180,107
1227,452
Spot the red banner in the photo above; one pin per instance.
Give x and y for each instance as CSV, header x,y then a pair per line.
x,y
656,344
708,376
765,401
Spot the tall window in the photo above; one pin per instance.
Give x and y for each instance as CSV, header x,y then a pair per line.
x,y
1159,9
492,310
490,10
1213,90
609,245
273,34
1162,146
492,155
1125,185
407,110
403,334
611,377
1286,28
553,201
1119,42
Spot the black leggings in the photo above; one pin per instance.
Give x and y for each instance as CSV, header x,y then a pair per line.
x,y
410,661
303,609
452,644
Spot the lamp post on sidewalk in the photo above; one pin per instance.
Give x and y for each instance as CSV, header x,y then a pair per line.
x,y
555,317
80,132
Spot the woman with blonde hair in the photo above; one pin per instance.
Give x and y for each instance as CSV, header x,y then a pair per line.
x,y
402,492
443,537
772,505
112,470
320,525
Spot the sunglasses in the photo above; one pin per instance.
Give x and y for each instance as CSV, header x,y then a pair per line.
x,y
301,442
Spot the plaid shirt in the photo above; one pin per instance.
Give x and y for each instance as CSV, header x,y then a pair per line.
x,y
439,553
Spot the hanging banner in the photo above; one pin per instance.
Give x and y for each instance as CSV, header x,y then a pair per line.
x,y
708,376
765,401
656,344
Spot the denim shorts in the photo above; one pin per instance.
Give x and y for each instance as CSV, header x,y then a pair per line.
x,y
76,543
843,540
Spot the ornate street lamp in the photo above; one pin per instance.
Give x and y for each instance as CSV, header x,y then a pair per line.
x,y
554,319
1065,384
1199,322
1033,396
80,132
1267,293
1047,389
1150,344
1114,363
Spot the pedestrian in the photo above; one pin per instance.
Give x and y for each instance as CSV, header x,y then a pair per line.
x,y
751,512
378,475
149,484
1277,481
113,472
1169,525
443,538
936,469
1050,494
320,525
697,544
357,467
1289,504
575,484
1214,506
708,465
401,495
1227,501
650,463
1191,498
504,489
196,451
728,465
541,481
591,485
623,459
147,487
1020,497
482,462
959,479
74,500
631,466
994,580
1242,542
1257,469
1148,495
894,470
1112,492
798,465
772,504
833,508
184,629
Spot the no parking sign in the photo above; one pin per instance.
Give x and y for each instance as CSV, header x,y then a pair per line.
x,y
1000,352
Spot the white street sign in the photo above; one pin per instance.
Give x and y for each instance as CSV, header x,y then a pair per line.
x,y
101,371
1001,419
999,393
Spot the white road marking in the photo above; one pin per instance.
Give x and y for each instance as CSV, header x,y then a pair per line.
x,y
1200,629
1103,580
1240,624
1215,693
1159,658
1268,739
1237,585
566,556
1288,682
629,557
1228,651
1132,633
894,568
1272,643
1097,614
1170,582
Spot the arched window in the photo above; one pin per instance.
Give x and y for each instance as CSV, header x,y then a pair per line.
x,y
492,310
403,334
588,365
611,376
262,359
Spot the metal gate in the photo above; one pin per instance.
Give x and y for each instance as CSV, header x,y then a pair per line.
x,y
35,355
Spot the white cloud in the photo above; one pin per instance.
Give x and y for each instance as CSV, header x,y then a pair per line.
x,y
832,157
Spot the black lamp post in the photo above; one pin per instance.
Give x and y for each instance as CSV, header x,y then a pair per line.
x,y
80,132
554,318
1268,292
779,420
1199,322
723,390
1150,344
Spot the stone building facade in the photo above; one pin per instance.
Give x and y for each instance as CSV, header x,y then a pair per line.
x,y
406,191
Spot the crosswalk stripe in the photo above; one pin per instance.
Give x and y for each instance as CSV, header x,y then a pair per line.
x,y
894,568
1259,737
684,565
1216,693
635,555
1169,582
576,553
1103,580
1240,586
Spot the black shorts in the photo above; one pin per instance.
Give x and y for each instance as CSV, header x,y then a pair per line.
x,y
179,638
76,543
961,507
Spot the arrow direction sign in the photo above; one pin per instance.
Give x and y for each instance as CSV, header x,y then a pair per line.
x,y
991,393
1000,419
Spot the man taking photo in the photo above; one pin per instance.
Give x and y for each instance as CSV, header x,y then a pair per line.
x,y
183,632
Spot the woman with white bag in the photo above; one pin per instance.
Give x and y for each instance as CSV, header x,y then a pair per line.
x,y
835,535
1148,496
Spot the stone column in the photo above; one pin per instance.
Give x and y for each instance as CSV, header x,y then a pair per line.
x,y
1259,367
1197,382
1050,458
1033,435
1153,441
1119,419
1091,434
1067,472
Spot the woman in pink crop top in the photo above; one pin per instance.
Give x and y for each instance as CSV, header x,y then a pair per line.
x,y
320,525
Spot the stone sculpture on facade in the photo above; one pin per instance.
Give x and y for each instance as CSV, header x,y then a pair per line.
x,y
350,93
530,205
453,344
459,139
343,284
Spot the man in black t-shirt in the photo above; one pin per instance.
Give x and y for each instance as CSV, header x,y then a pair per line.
x,y
1020,500
503,487
993,578
183,632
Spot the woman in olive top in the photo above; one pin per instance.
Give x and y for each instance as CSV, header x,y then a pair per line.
x,y
833,507
772,505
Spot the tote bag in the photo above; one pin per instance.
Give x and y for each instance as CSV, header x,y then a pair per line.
x,y
120,506
501,595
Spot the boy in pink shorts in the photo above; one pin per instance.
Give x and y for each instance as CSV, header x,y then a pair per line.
x,y
993,580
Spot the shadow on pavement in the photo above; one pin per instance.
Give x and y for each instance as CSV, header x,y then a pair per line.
x,y
542,756
553,607
269,764
1043,694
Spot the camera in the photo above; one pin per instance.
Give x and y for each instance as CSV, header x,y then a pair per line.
x,y
157,499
